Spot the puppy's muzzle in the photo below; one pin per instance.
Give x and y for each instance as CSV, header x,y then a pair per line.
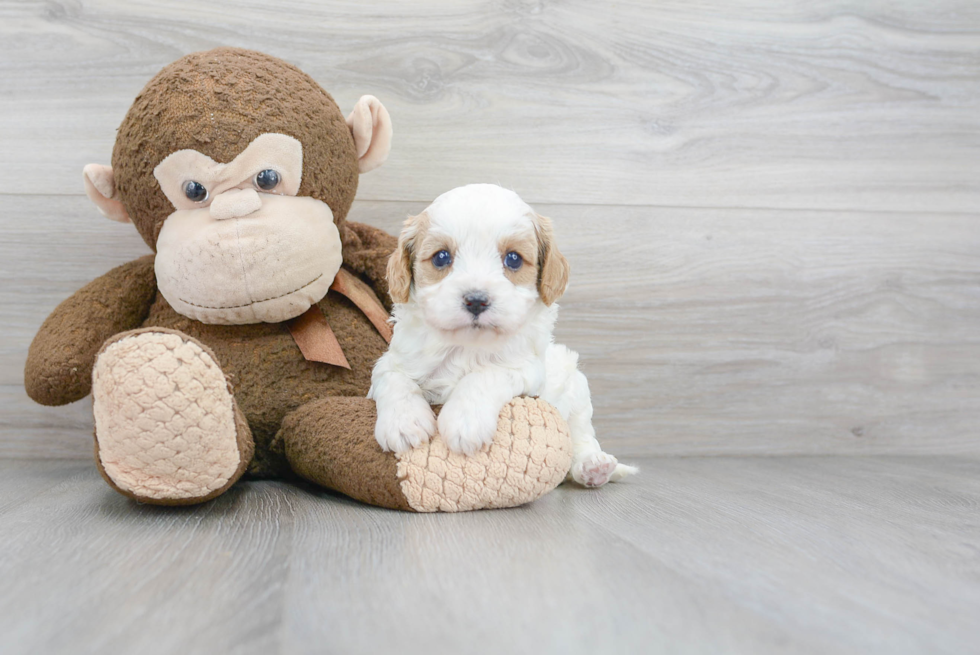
x,y
476,302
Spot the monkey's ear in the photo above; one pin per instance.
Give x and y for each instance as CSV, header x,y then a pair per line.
x,y
100,187
370,126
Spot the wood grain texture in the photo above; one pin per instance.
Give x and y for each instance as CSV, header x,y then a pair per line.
x,y
701,331
772,212
830,105
702,555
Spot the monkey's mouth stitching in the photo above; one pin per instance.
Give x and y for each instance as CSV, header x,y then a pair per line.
x,y
249,304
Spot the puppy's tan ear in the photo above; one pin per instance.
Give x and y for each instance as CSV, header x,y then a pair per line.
x,y
401,261
552,266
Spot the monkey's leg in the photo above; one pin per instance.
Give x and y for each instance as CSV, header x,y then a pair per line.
x,y
167,428
331,442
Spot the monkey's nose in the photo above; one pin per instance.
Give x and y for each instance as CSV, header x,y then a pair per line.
x,y
235,203
476,302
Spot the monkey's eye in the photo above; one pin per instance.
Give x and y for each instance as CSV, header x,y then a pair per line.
x,y
513,261
267,180
442,259
195,191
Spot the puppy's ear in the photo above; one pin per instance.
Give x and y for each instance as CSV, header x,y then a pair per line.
x,y
401,261
552,266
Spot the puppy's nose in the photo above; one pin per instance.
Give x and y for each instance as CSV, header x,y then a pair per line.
x,y
235,203
476,302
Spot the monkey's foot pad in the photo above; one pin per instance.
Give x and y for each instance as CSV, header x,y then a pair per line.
x,y
529,456
166,425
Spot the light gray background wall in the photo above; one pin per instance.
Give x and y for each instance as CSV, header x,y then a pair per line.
x,y
772,210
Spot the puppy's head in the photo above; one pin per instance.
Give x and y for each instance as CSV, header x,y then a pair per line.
x,y
477,260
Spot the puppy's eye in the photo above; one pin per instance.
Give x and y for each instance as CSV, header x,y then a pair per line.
x,y
513,261
442,259
267,180
195,191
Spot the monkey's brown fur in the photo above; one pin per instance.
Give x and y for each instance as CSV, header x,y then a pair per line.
x,y
217,102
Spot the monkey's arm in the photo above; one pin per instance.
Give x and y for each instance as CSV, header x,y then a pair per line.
x,y
366,253
60,359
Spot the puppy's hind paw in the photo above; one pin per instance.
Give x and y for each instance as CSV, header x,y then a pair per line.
x,y
596,469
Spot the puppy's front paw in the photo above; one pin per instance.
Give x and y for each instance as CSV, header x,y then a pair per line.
x,y
404,424
594,469
467,425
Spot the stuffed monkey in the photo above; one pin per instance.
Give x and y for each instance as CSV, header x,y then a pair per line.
x,y
245,343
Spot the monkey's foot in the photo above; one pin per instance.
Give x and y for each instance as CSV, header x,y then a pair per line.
x,y
167,429
331,442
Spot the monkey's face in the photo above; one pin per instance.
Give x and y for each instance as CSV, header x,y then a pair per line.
x,y
257,237
241,247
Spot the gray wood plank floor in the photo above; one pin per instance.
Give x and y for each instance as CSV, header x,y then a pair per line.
x,y
699,555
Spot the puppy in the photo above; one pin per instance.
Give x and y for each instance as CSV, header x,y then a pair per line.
x,y
475,278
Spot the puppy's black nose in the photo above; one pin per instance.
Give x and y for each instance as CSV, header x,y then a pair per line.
x,y
476,302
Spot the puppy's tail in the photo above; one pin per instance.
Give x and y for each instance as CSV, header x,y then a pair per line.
x,y
623,471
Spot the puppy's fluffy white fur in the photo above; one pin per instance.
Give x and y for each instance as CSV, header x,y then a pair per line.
x,y
473,360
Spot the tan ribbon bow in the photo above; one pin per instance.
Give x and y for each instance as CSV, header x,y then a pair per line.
x,y
312,333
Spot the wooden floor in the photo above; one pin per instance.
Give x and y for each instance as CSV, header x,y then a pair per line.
x,y
772,213
701,555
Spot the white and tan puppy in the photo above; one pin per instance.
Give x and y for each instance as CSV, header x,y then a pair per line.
x,y
475,279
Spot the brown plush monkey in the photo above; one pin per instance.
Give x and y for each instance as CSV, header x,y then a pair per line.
x,y
246,342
